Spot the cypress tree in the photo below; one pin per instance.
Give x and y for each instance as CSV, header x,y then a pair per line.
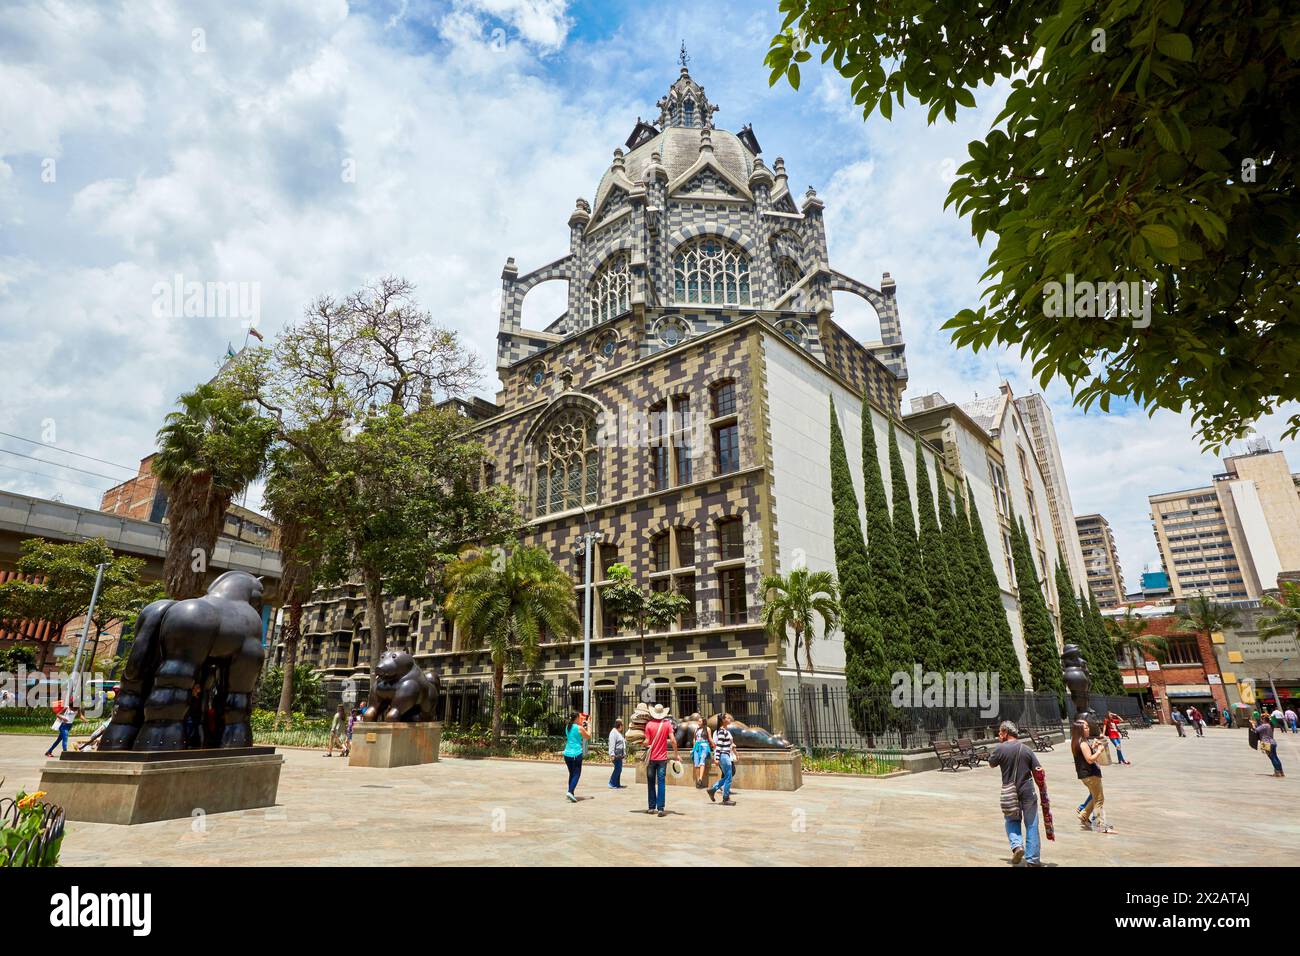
x,y
1072,627
980,650
923,627
864,659
1004,646
1035,622
887,592
934,559
1106,648
963,653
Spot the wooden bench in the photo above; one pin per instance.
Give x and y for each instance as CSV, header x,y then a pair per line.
x,y
1040,742
950,758
974,755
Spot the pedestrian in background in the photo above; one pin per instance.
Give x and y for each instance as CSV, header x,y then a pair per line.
x,y
700,751
1264,740
1290,717
574,734
64,716
338,727
617,751
1113,734
1176,716
659,733
1085,766
724,755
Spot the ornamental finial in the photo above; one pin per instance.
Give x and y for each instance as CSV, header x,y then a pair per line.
x,y
683,57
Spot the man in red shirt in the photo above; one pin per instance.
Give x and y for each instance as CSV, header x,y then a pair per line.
x,y
658,735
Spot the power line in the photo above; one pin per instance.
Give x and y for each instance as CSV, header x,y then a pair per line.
x,y
40,474
66,451
45,461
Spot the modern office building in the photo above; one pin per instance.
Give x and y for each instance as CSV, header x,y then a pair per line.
x,y
1101,558
1232,538
1037,416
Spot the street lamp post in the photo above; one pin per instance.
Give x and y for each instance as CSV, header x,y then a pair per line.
x,y
589,540
1268,672
85,628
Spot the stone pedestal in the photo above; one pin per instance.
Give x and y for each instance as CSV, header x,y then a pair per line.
x,y
394,744
756,770
127,787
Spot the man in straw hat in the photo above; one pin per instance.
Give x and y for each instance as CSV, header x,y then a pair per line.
x,y
659,735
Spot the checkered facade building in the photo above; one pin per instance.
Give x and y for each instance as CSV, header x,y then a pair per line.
x,y
675,184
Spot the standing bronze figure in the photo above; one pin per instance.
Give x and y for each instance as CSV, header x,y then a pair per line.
x,y
203,654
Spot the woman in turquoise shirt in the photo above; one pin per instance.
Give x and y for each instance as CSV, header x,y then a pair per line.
x,y
573,735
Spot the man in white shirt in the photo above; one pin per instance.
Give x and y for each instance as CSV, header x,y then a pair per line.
x,y
617,750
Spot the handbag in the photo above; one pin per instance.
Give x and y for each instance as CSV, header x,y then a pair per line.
x,y
1010,801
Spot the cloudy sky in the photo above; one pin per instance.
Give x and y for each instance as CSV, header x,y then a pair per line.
x,y
305,147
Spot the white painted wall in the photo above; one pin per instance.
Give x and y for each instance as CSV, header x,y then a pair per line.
x,y
800,431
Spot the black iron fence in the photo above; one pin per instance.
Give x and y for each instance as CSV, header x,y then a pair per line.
x,y
542,710
872,719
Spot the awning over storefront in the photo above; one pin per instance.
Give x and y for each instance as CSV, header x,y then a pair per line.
x,y
1188,690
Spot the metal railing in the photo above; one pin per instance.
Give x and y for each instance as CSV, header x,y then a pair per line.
x,y
869,720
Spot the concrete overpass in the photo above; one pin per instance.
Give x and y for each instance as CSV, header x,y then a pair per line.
x,y
22,517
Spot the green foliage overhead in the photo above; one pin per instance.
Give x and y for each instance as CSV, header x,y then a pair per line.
x,y
1142,140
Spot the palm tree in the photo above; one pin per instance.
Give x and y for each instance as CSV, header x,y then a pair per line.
x,y
1132,642
1286,620
293,497
208,453
506,604
790,604
1205,617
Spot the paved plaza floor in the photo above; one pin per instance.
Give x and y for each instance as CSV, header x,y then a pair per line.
x,y
1183,802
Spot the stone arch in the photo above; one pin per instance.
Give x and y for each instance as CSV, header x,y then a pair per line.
x,y
730,233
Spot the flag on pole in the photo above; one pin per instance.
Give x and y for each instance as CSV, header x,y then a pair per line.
x,y
230,351
256,334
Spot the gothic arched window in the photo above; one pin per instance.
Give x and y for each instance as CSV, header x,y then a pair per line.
x,y
611,289
787,273
688,113
568,463
711,271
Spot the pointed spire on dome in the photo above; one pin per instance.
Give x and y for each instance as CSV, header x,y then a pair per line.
x,y
779,178
685,104
581,214
706,141
617,165
761,175
810,200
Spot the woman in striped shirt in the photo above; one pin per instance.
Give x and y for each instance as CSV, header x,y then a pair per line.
x,y
724,755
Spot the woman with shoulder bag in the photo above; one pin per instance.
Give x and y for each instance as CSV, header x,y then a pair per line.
x,y
1264,734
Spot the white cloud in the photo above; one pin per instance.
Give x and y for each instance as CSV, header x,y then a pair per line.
x,y
468,146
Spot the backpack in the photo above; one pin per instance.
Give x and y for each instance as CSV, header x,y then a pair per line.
x,y
1253,738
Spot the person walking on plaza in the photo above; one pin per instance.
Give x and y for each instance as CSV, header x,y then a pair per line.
x,y
1112,733
724,755
617,751
338,727
64,716
1227,717
658,735
700,751
1019,796
1085,765
1262,737
1176,716
574,734
1197,721
1290,718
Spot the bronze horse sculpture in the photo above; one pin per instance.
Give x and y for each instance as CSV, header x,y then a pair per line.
x,y
214,640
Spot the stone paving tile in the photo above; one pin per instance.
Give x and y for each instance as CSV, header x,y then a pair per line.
x,y
1184,802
